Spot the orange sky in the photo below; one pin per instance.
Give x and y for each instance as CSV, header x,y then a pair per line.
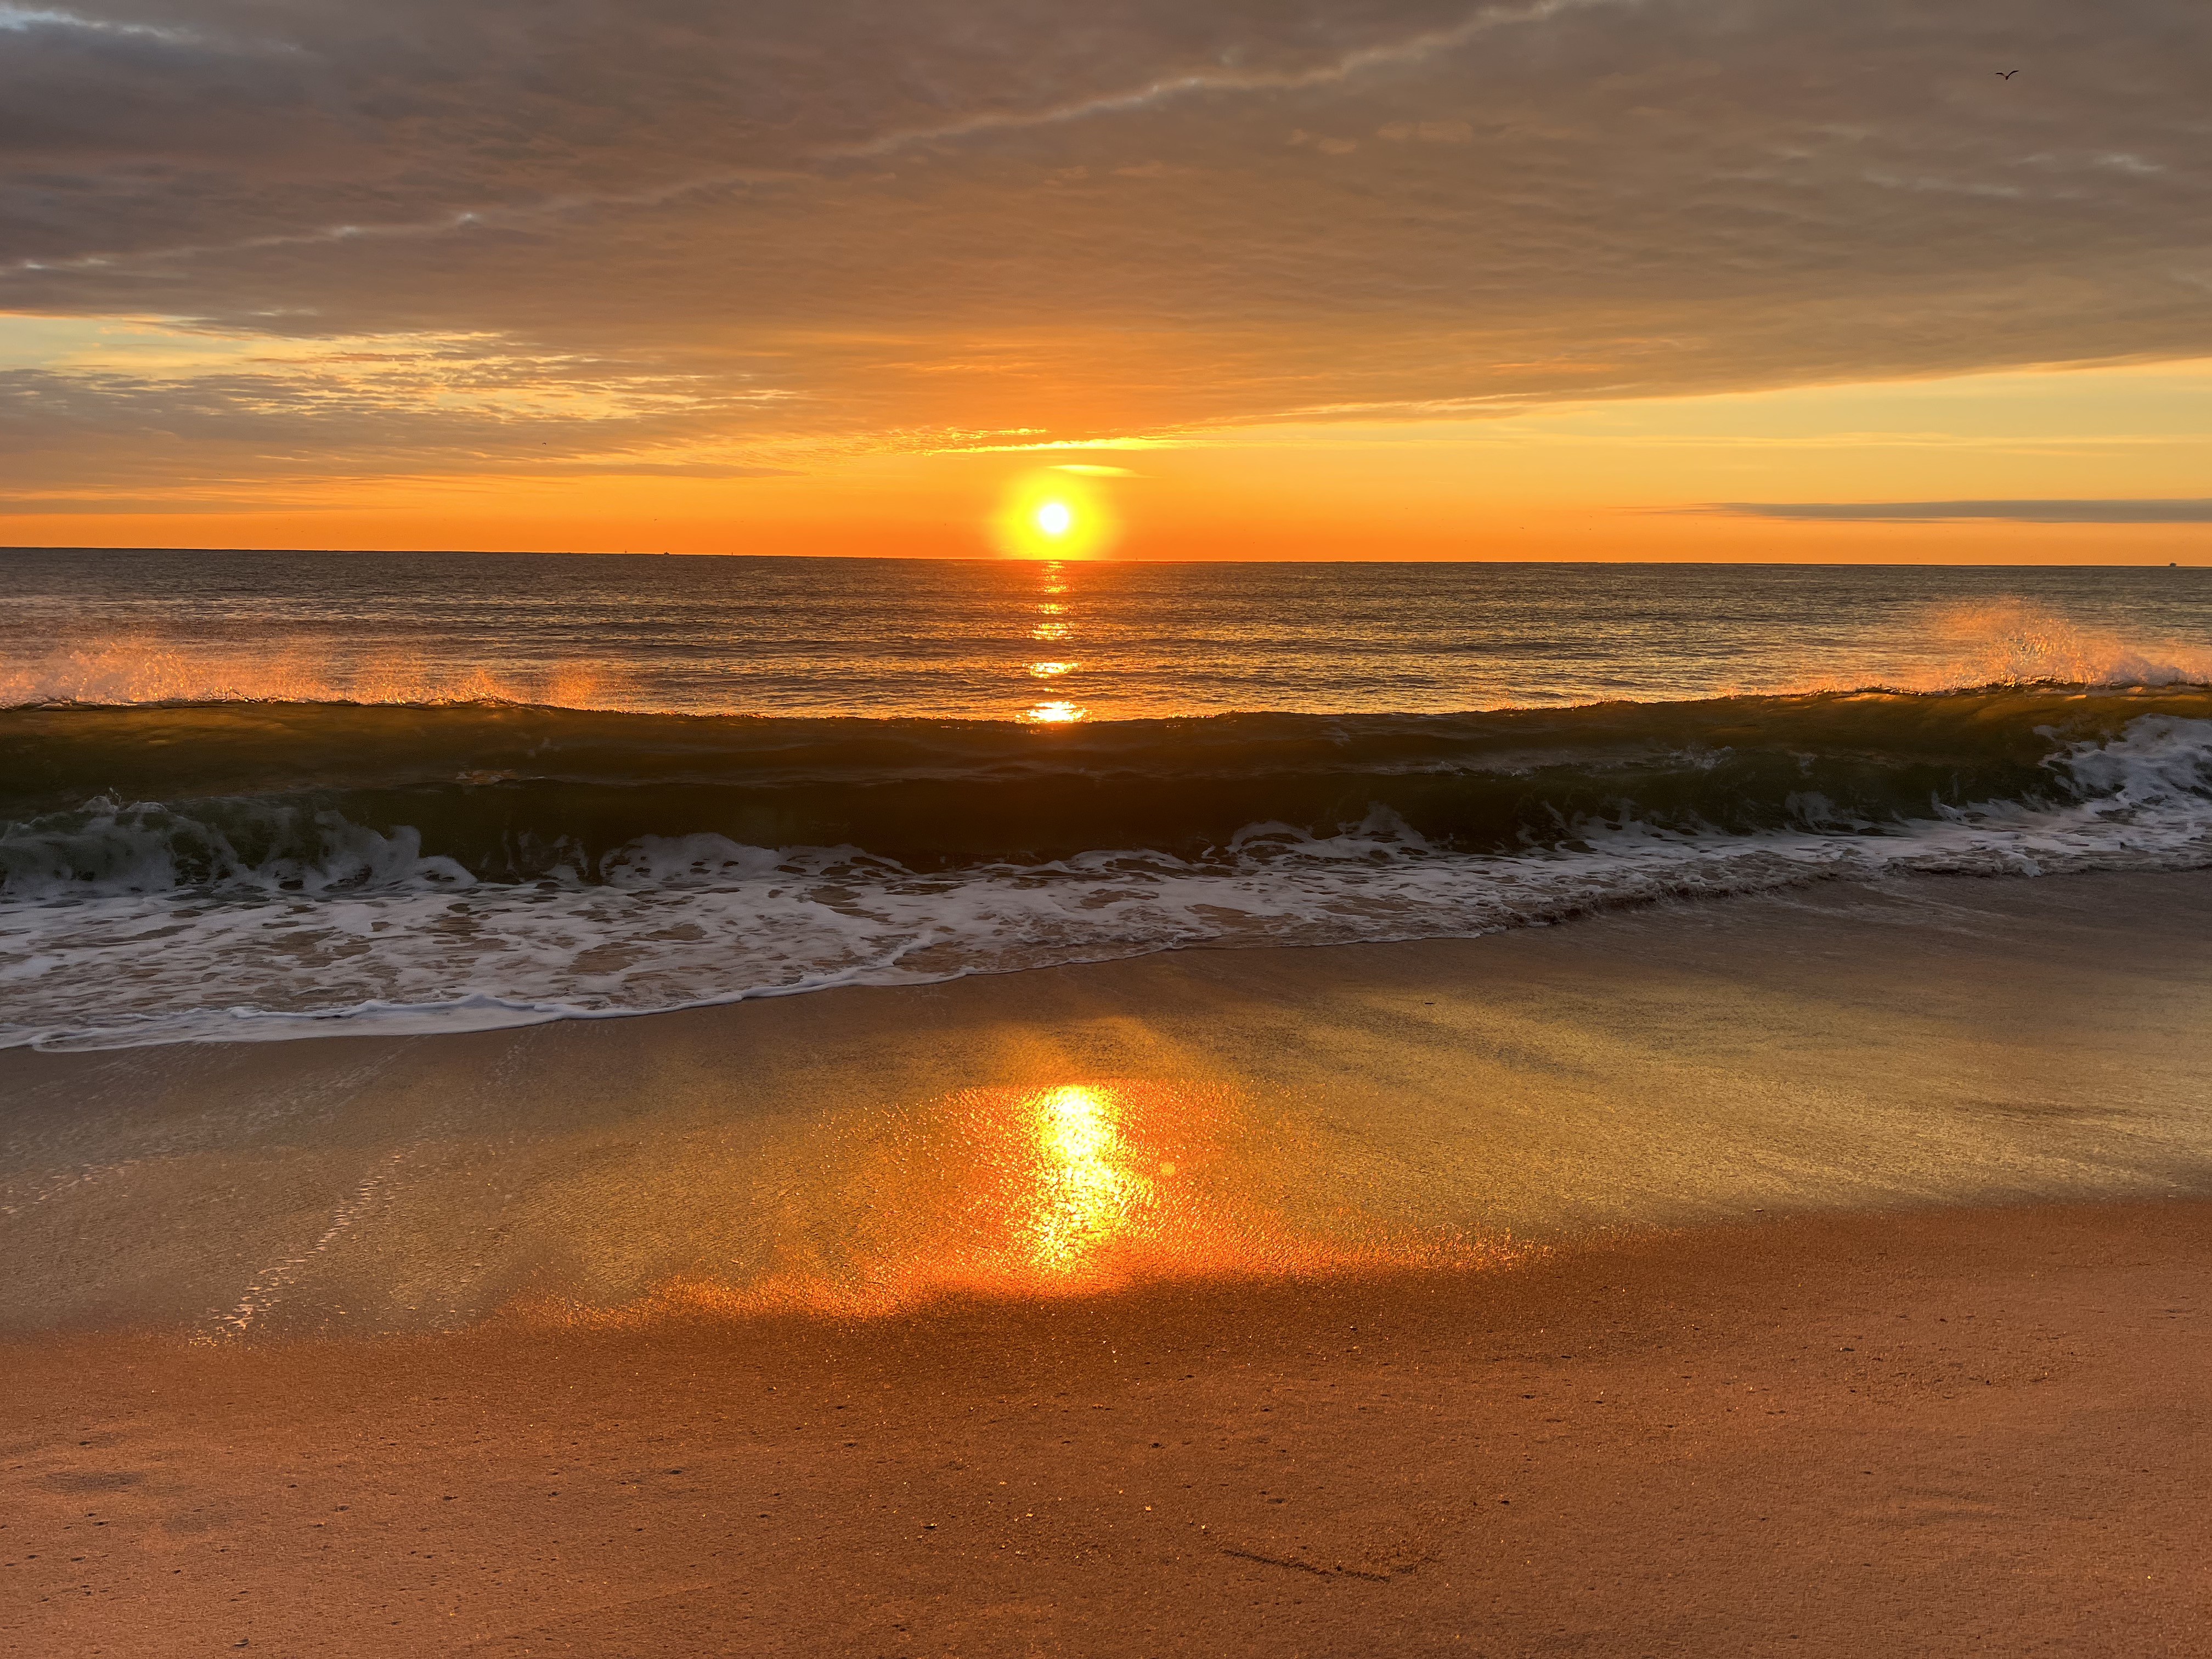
x,y
1309,279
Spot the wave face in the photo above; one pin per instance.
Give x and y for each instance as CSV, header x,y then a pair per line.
x,y
244,869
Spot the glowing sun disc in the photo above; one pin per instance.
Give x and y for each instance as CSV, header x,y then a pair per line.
x,y
1049,515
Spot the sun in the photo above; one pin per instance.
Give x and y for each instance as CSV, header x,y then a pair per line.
x,y
1053,515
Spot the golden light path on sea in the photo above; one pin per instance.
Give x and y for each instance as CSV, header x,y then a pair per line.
x,y
1052,608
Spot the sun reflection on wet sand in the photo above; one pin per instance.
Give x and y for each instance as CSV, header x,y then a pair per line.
x,y
1084,1193
1075,1188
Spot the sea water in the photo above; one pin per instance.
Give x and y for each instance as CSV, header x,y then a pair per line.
x,y
264,795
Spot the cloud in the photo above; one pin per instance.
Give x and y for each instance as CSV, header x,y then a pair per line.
x,y
76,506
2091,511
617,466
765,233
1428,133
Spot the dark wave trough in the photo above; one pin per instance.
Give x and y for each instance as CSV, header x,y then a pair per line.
x,y
201,795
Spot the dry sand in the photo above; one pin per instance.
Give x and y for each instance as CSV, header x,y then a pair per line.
x,y
1816,1274
1978,1432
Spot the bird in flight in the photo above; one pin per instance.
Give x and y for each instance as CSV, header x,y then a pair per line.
x,y
2007,74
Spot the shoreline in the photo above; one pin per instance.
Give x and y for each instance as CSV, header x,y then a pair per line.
x,y
1941,1041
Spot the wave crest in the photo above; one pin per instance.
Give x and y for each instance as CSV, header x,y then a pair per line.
x,y
473,868
2011,643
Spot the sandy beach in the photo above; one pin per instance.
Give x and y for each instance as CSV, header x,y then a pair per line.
x,y
1816,1272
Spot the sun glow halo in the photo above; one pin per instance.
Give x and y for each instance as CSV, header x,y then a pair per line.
x,y
1054,515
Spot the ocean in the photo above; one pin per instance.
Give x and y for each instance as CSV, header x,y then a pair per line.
x,y
269,795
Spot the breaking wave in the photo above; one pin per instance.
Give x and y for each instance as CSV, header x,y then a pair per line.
x,y
224,870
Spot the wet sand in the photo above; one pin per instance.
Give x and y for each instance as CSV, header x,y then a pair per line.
x,y
1814,1273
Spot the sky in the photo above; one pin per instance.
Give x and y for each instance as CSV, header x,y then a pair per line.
x,y
1616,279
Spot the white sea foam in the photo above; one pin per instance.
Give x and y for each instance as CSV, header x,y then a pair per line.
x,y
148,848
684,921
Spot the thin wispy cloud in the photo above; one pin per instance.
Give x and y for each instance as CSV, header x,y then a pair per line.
x,y
1417,49
2087,511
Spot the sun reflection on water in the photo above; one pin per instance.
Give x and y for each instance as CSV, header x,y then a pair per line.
x,y
1059,711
